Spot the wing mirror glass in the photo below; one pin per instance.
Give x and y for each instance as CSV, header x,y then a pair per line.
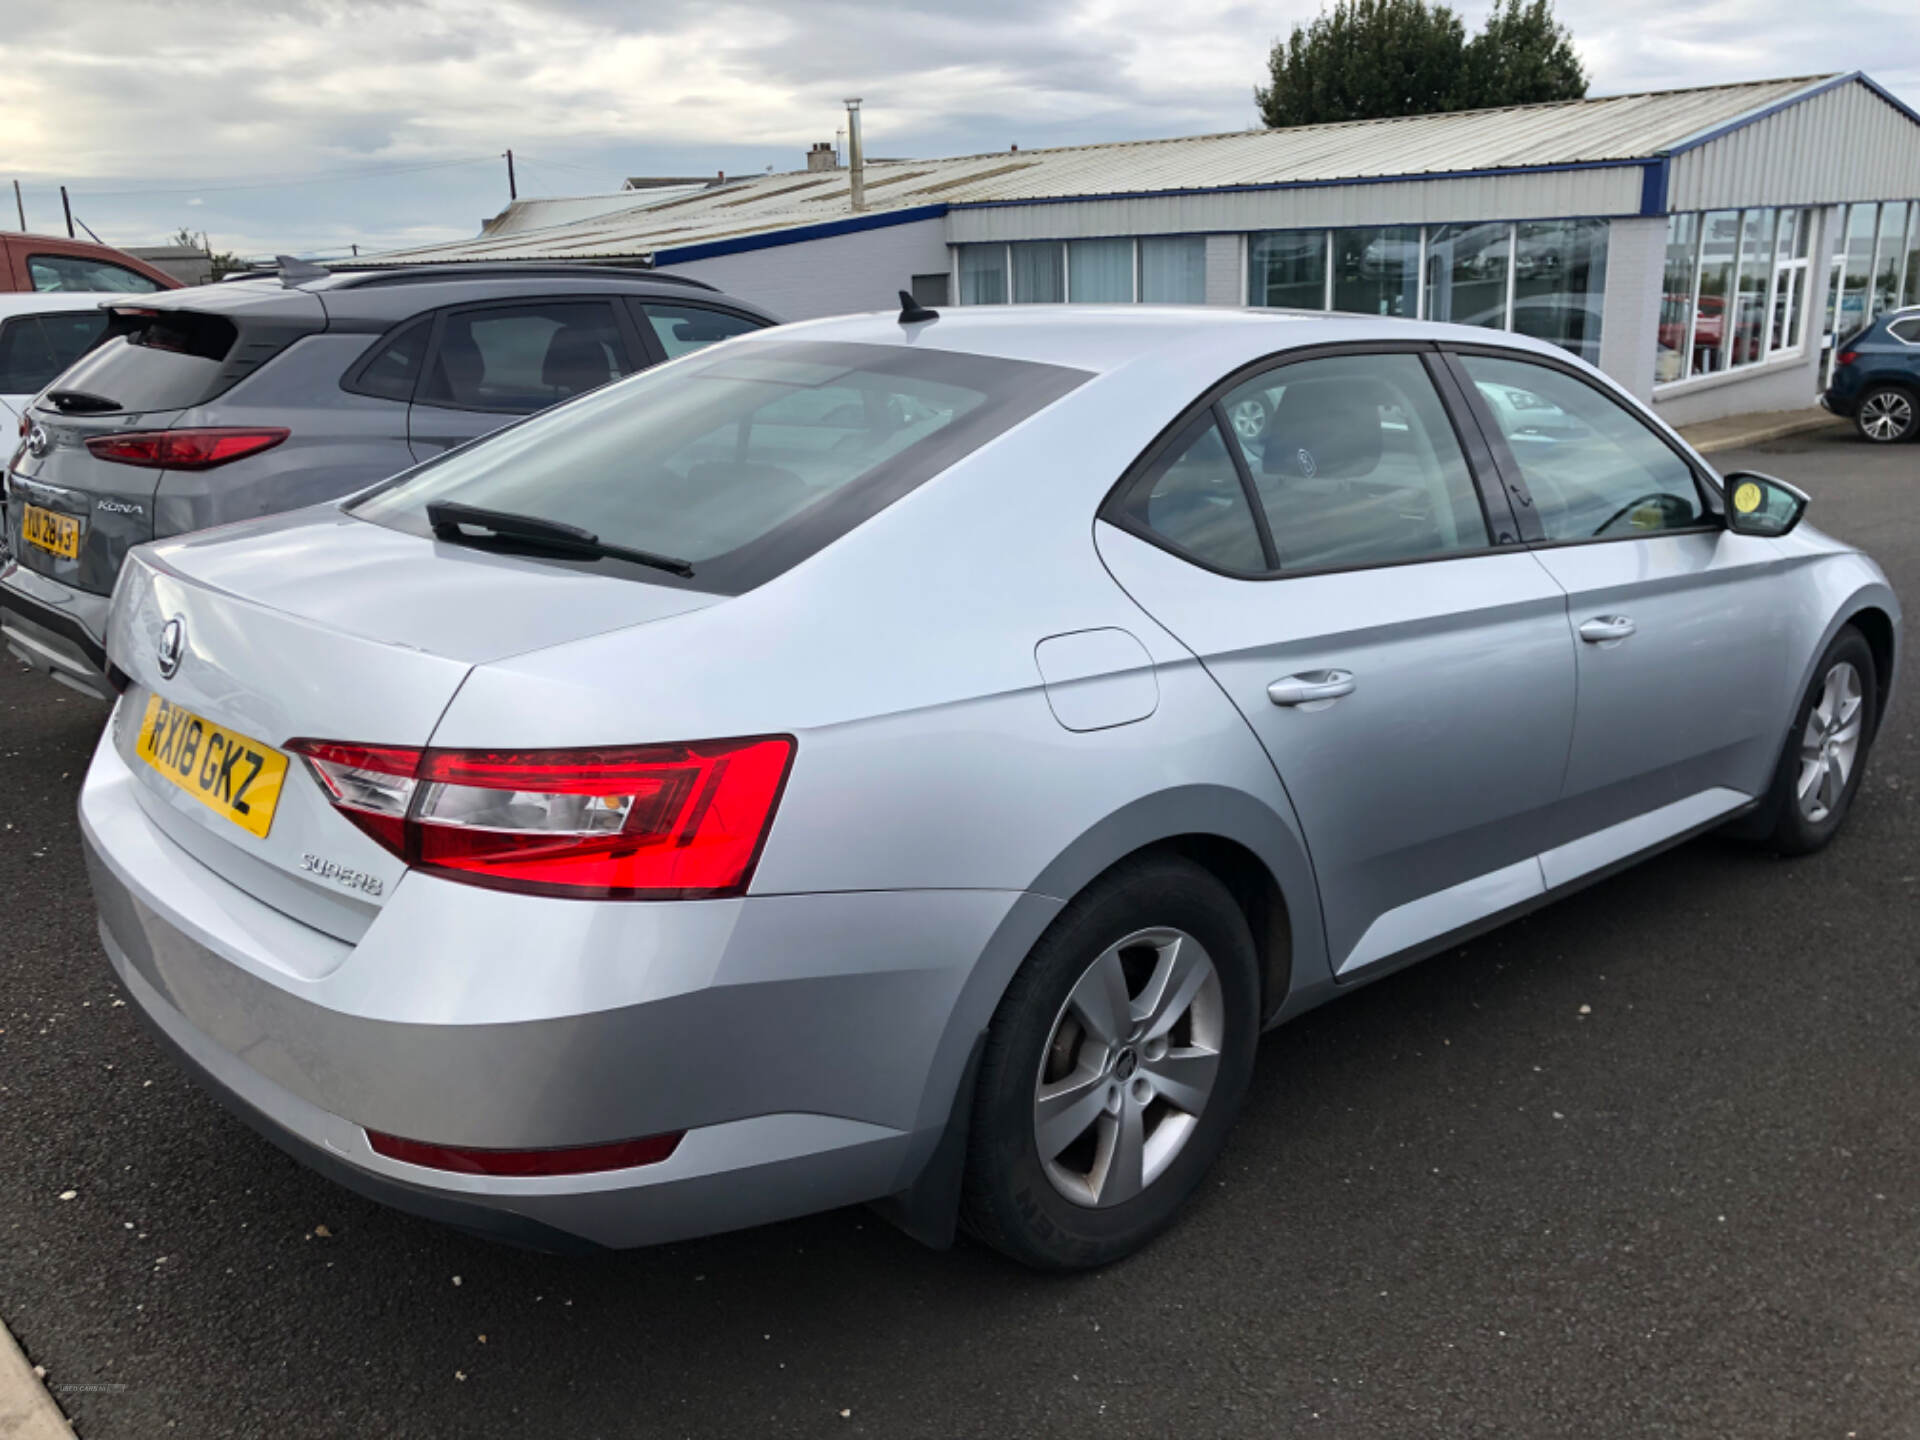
x,y
1761,505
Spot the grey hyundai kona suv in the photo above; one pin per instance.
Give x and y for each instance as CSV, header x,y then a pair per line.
x,y
912,759
227,402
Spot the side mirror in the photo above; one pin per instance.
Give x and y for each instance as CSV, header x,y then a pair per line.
x,y
1761,505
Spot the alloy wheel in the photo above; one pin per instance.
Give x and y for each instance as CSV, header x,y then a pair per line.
x,y
1886,415
1129,1067
1249,419
1830,744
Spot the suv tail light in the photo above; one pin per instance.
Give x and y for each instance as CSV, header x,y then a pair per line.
x,y
1847,357
650,822
185,449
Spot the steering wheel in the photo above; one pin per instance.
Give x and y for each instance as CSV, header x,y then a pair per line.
x,y
1670,505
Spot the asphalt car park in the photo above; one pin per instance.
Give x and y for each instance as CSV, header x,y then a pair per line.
x,y
1640,1163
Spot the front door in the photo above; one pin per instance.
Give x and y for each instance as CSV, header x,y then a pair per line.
x,y
1317,539
1682,642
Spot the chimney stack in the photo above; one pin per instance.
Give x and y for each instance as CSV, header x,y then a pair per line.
x,y
856,158
822,157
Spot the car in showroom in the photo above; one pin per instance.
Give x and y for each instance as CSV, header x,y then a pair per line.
x,y
225,402
911,759
1876,378
57,265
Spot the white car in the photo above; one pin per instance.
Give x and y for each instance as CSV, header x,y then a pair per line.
x,y
41,334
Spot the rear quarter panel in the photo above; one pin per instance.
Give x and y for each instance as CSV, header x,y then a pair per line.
x,y
340,442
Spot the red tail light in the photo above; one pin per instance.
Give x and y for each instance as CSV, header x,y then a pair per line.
x,y
653,822
583,1160
1847,357
185,449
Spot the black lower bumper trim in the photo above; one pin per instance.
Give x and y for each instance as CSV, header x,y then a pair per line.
x,y
57,622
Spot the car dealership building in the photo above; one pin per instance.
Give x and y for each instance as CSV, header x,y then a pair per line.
x,y
1703,247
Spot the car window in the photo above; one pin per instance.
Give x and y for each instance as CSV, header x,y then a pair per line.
x,y
743,460
35,348
82,272
1594,469
394,366
517,359
682,329
1907,330
1192,496
1355,462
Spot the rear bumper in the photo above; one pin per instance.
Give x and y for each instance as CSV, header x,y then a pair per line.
x,y
55,629
809,1045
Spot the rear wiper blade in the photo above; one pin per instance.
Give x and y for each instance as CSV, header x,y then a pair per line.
x,y
447,516
81,402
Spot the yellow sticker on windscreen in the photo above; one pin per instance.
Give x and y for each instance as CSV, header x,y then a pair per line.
x,y
1746,497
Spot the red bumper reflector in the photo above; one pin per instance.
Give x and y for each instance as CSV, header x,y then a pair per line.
x,y
580,1160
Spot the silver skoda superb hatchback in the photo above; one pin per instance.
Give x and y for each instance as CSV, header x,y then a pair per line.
x,y
912,759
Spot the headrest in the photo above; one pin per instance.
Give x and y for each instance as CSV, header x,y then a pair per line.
x,y
1325,429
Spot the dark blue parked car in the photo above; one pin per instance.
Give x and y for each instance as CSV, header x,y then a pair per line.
x,y
1876,378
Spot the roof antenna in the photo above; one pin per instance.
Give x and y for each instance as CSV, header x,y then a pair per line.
x,y
294,273
912,312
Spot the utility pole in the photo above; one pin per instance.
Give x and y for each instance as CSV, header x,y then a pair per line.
x,y
20,205
64,205
513,191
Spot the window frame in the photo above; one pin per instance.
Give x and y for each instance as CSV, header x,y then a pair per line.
x,y
351,381
622,318
1474,452
1532,532
641,324
147,286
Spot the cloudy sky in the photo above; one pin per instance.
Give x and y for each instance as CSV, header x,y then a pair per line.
x,y
308,125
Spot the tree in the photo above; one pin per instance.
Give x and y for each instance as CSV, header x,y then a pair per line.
x,y
1523,55
225,262
1366,59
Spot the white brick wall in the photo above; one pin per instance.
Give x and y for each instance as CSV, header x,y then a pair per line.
x,y
1630,326
1226,270
862,270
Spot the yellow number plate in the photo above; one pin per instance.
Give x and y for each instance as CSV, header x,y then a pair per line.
x,y
226,771
53,532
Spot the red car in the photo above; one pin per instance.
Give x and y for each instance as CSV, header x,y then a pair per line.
x,y
53,263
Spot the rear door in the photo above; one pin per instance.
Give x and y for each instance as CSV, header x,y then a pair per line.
x,y
1327,554
490,364
1683,638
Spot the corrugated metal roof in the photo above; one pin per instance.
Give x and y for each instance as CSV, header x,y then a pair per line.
x,y
1619,128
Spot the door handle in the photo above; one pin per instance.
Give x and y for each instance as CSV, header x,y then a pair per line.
x,y
1603,628
1311,686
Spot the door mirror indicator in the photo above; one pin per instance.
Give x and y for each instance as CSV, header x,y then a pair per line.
x,y
1761,505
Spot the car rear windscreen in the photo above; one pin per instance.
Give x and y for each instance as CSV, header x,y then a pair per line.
x,y
742,460
153,360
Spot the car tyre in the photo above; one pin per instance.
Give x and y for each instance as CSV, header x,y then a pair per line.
x,y
1141,1108
1826,750
1887,415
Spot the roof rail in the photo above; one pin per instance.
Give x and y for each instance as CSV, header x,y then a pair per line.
x,y
360,277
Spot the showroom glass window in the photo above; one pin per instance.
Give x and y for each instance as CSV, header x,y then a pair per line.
x,y
1719,246
1100,272
1376,271
1856,268
1039,272
1559,277
1288,268
1467,274
1746,337
1792,238
983,274
1887,256
1173,270
1677,298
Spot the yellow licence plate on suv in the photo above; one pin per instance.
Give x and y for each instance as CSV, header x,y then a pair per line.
x,y
50,530
230,773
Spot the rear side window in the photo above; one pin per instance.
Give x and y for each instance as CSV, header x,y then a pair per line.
x,y
515,359
1193,498
81,272
1355,463
1907,330
742,462
35,348
392,367
682,329
1595,470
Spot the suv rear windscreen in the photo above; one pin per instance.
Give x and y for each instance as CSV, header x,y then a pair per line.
x,y
742,461
159,360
